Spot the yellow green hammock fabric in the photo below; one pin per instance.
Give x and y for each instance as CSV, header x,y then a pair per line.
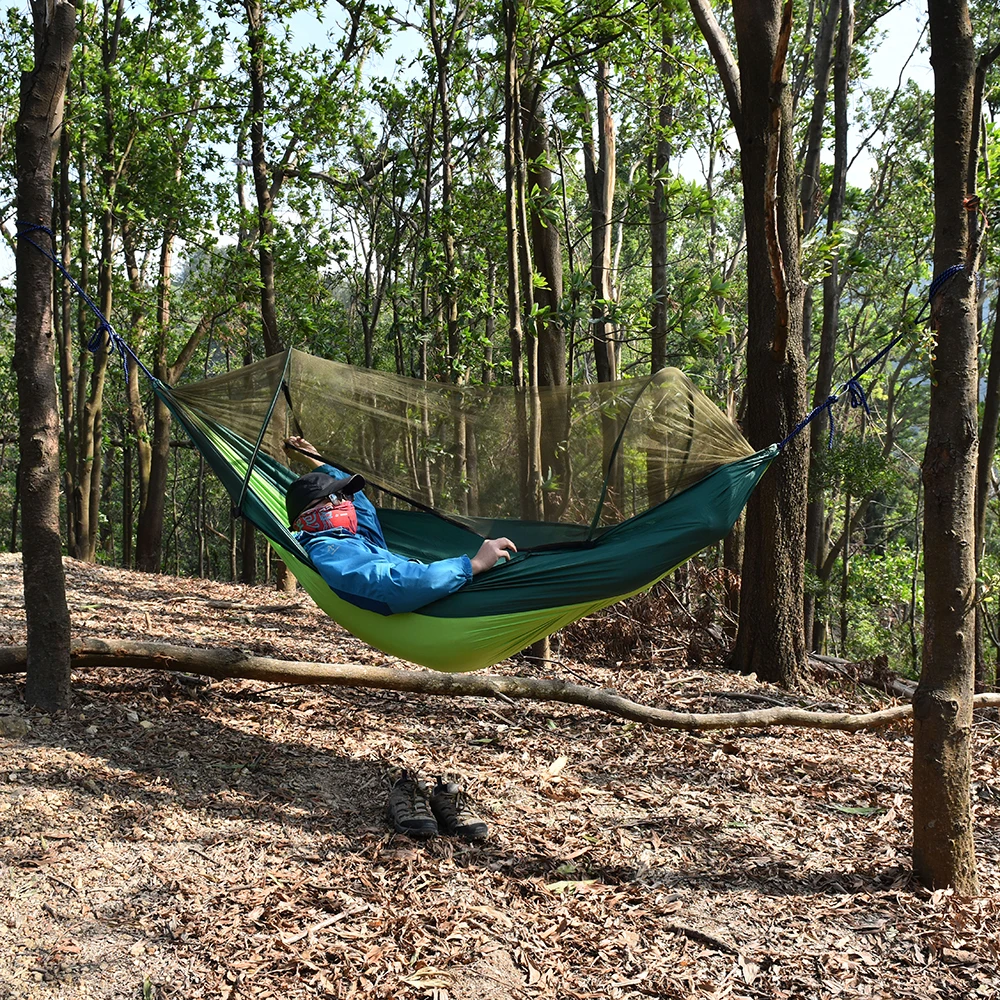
x,y
603,488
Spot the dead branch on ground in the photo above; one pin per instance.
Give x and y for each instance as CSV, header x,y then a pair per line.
x,y
226,664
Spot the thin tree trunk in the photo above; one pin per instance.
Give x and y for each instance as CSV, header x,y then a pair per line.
x,y
90,413
599,173
658,207
66,341
127,489
443,44
987,449
74,457
816,508
511,125
943,845
258,157
39,121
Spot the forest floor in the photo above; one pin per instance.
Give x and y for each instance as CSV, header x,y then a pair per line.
x,y
176,839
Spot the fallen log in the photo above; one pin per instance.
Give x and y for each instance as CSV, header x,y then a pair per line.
x,y
228,664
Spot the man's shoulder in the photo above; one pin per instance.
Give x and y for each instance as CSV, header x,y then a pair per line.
x,y
336,537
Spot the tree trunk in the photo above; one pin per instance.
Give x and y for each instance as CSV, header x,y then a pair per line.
x,y
512,126
545,244
66,327
90,413
816,508
656,477
987,449
770,640
154,455
258,157
443,45
39,121
943,846
74,458
599,173
127,489
550,337
599,167
658,215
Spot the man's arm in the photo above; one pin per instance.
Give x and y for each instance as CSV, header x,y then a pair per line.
x,y
381,581
491,552
297,445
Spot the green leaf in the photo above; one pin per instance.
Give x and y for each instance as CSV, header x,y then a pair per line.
x,y
568,886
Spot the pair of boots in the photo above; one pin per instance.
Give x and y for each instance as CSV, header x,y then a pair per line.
x,y
417,810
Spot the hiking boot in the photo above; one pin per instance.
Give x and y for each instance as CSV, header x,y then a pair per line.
x,y
407,808
453,810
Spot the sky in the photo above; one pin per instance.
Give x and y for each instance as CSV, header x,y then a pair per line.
x,y
903,27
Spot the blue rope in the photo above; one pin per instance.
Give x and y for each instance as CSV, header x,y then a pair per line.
x,y
115,342
853,388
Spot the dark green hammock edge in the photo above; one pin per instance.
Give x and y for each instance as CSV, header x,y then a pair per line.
x,y
504,611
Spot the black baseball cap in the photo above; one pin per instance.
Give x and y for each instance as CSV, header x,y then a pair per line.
x,y
313,486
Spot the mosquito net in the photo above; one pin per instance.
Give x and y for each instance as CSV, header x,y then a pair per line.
x,y
581,457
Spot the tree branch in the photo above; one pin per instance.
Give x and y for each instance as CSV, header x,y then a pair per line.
x,y
779,346
725,63
235,663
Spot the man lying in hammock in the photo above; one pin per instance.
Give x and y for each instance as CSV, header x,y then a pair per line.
x,y
339,528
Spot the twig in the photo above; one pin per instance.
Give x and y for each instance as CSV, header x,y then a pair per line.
x,y
702,938
59,881
318,926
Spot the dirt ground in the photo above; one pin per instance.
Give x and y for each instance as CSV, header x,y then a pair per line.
x,y
172,838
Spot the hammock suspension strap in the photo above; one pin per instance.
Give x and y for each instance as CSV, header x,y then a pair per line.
x,y
853,387
115,342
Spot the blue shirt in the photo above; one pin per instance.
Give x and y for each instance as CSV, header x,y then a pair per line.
x,y
360,568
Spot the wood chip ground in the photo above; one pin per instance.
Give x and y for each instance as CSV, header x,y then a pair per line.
x,y
169,838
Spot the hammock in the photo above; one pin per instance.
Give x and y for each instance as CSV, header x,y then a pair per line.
x,y
605,489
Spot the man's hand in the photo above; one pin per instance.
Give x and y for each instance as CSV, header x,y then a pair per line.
x,y
491,552
302,444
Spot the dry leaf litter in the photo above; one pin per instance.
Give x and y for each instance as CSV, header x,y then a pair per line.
x,y
173,838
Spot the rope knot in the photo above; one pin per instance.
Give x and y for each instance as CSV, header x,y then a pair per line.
x,y
856,394
828,406
103,329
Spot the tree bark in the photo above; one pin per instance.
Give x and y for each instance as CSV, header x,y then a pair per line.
x,y
258,158
658,214
39,122
770,640
550,337
90,407
511,131
987,449
943,845
600,171
443,44
547,251
67,344
599,174
816,508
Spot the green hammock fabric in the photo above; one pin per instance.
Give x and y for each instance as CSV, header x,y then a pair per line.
x,y
563,571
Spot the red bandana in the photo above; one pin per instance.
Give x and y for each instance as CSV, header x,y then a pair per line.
x,y
329,515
